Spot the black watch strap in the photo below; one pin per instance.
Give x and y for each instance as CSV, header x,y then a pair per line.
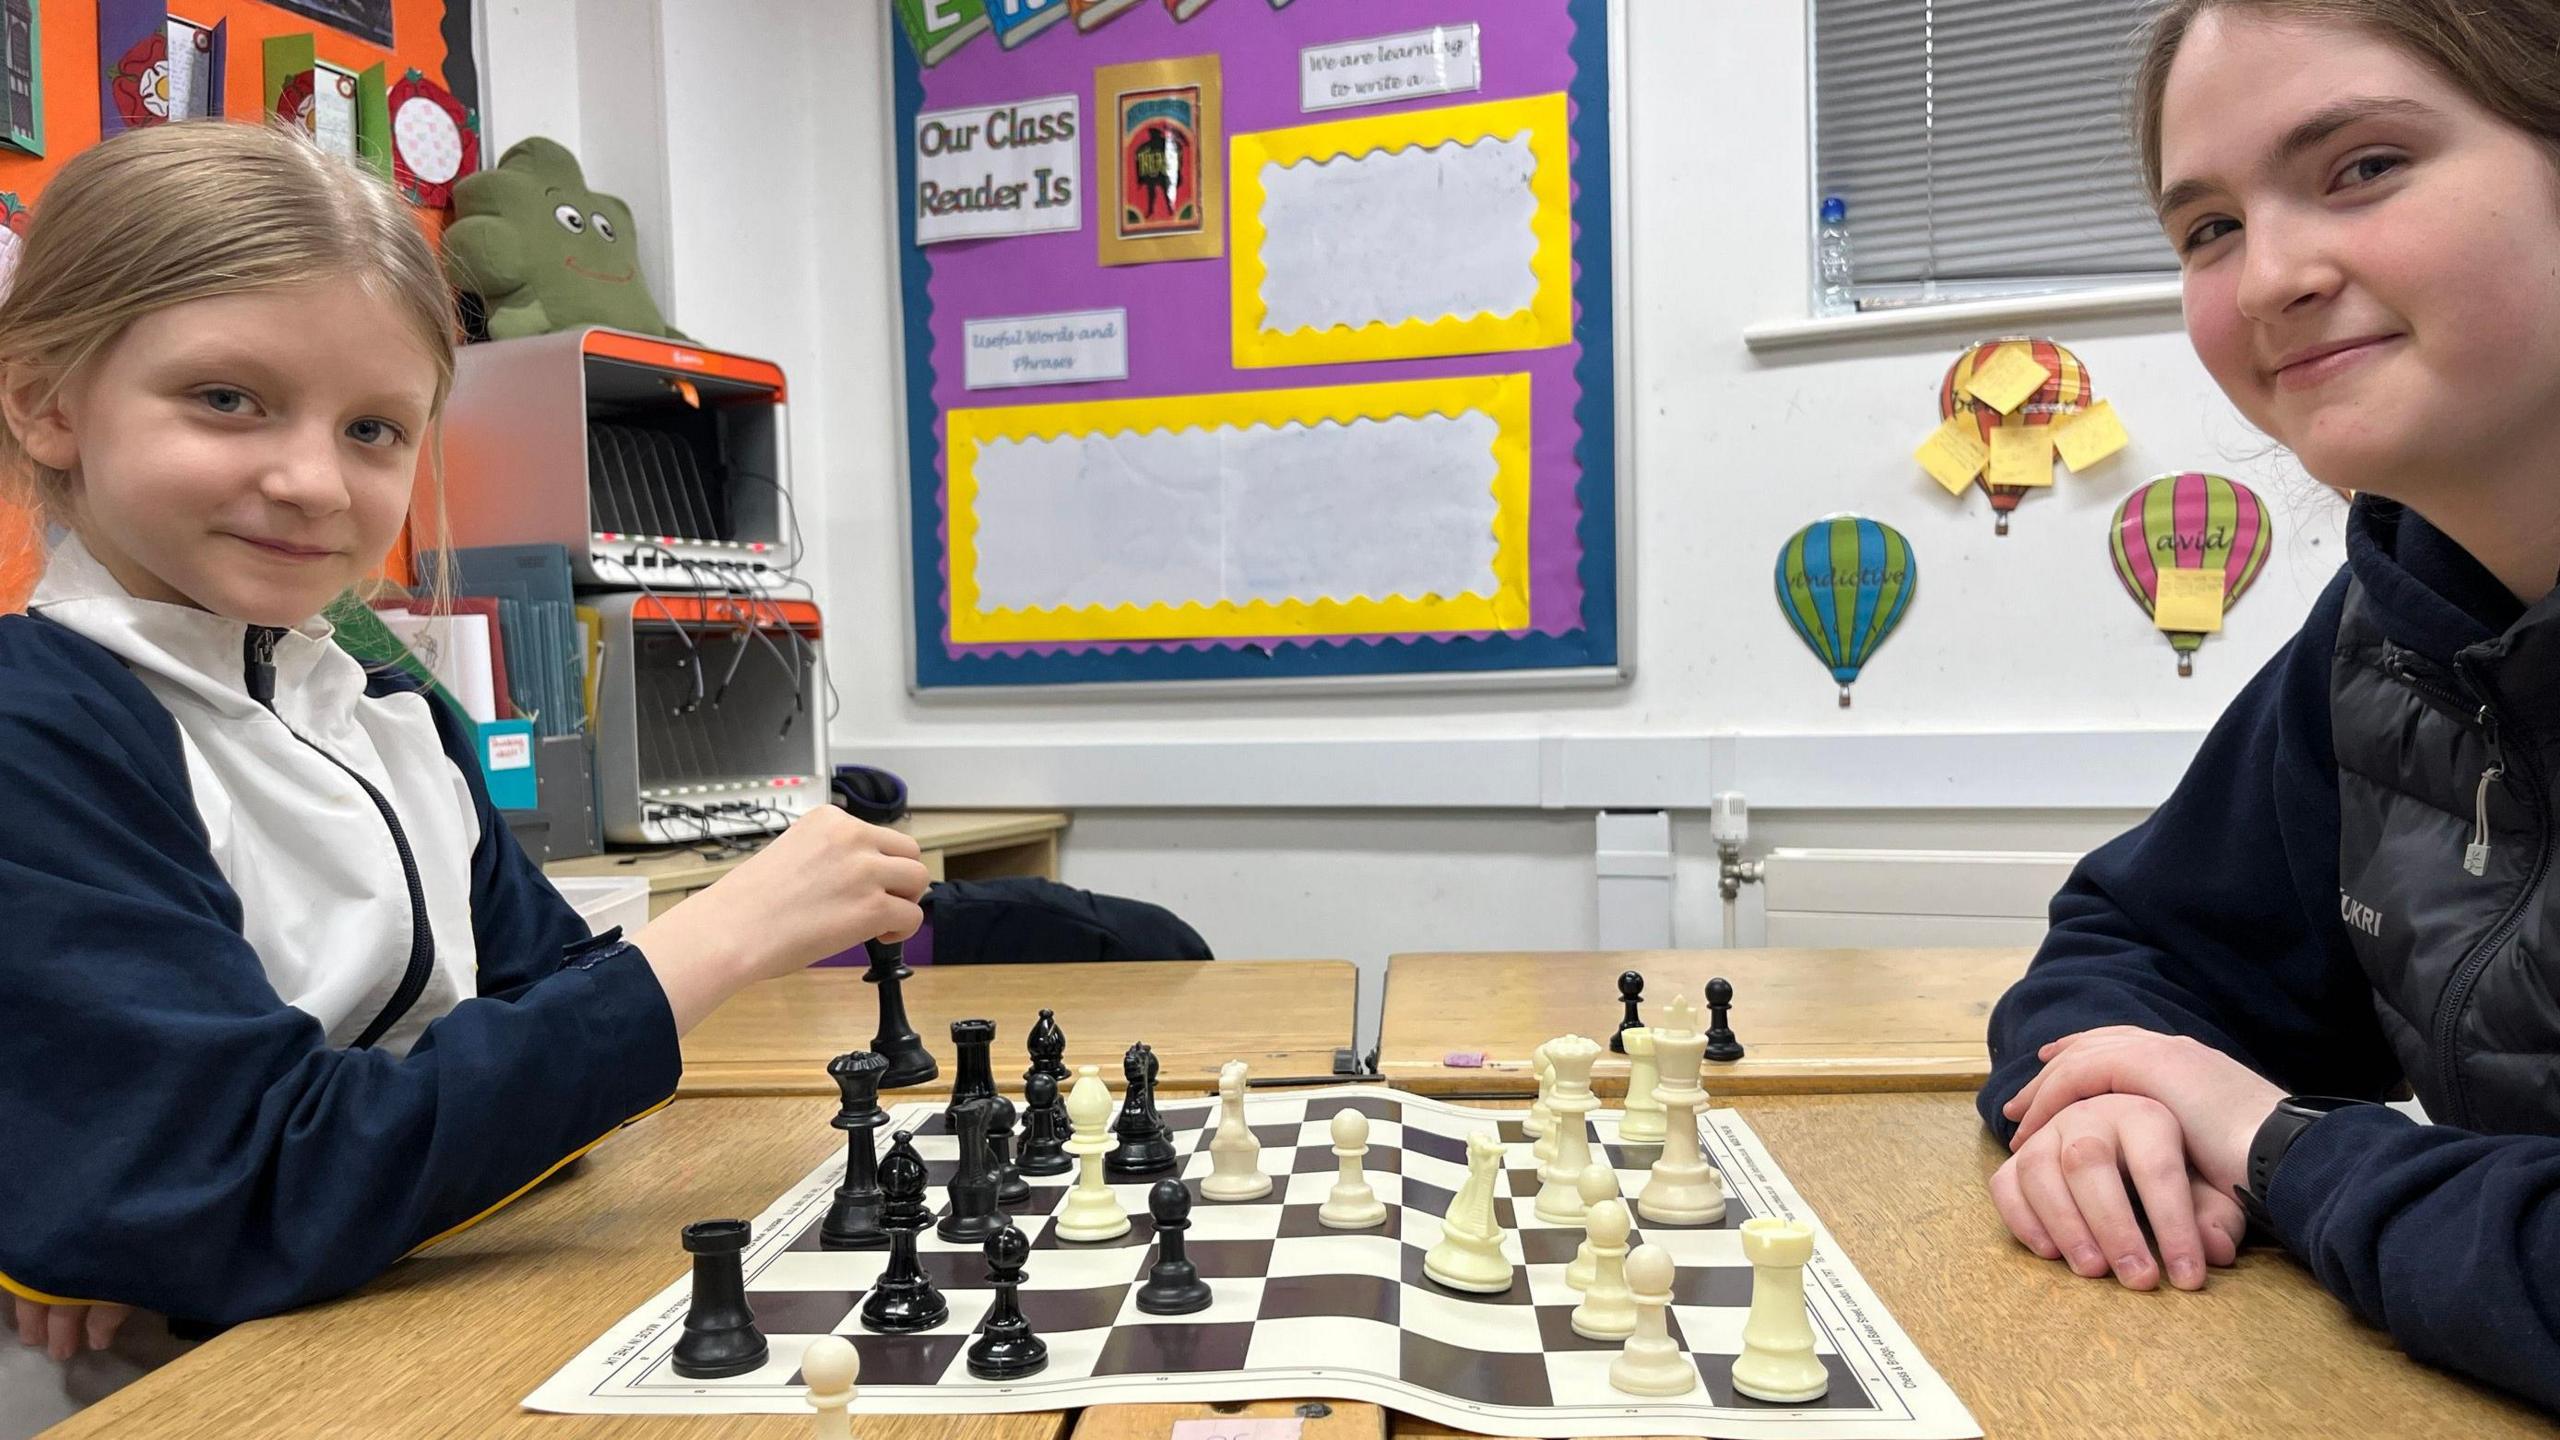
x,y
2276,1134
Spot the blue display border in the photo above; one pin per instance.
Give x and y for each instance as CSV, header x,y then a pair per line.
x,y
1596,488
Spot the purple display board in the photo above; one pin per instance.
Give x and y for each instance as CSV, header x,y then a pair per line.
x,y
1178,317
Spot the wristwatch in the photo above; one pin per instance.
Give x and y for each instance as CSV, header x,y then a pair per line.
x,y
2276,1134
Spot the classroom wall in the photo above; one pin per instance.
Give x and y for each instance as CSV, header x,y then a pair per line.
x,y
2022,668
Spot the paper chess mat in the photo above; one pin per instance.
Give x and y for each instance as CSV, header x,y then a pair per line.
x,y
1300,1311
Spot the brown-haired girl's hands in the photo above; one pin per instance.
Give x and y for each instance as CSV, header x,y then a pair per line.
x,y
61,1328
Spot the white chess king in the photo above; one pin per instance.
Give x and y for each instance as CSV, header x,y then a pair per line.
x,y
1683,1189
1777,1362
1235,1157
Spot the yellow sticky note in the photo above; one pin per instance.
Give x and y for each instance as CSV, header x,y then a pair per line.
x,y
2090,436
2189,600
1953,454
2005,378
2022,455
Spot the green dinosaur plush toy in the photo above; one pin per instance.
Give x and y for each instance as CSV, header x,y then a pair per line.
x,y
543,252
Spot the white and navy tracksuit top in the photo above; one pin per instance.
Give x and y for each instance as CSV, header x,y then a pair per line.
x,y
280,997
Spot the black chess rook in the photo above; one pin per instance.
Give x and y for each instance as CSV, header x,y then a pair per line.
x,y
973,1076
853,1221
1173,1285
898,1043
1005,1348
720,1336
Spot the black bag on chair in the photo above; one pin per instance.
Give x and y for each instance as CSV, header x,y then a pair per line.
x,y
1023,919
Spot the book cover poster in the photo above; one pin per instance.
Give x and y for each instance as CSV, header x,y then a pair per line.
x,y
1160,156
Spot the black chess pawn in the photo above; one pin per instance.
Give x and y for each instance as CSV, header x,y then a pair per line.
x,y
972,1077
973,1215
1145,1145
1173,1286
1630,991
902,1300
1011,1189
1044,1139
1048,1046
853,1221
1720,1042
898,1043
720,1336
1005,1348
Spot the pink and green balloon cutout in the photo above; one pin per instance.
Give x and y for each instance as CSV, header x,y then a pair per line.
x,y
2189,521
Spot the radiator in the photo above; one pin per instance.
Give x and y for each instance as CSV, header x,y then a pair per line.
x,y
1861,899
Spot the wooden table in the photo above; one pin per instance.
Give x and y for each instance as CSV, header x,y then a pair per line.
x,y
448,1342
776,1038
1810,1021
957,844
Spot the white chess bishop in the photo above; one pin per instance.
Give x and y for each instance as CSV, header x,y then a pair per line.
x,y
1469,1256
1235,1156
1683,1189
1092,1211
1641,1124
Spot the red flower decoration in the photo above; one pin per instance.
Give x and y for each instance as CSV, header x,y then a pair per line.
x,y
435,140
293,103
142,82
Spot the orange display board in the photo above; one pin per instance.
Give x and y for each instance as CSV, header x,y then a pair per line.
x,y
73,70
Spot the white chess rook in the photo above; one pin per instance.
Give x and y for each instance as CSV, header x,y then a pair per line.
x,y
1352,1205
1777,1362
1607,1311
1560,1179
1235,1157
1599,1183
1469,1256
829,1367
1641,1124
1651,1364
1683,1189
1092,1211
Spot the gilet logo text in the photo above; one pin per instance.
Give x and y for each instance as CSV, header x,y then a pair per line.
x,y
2359,915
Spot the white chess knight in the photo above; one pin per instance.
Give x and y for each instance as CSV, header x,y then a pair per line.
x,y
1560,1179
829,1367
1469,1256
1599,1183
1352,1205
1777,1362
1641,1124
1092,1211
1651,1364
1683,1189
1235,1157
1608,1310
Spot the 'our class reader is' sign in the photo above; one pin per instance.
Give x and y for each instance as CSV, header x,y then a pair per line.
x,y
1010,169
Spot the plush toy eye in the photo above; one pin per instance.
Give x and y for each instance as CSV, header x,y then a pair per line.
x,y
603,226
570,220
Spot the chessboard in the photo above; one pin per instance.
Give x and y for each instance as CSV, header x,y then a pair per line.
x,y
1300,1311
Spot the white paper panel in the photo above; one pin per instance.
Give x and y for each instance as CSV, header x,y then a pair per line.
x,y
1338,246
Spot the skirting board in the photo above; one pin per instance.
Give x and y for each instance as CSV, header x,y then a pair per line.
x,y
2030,770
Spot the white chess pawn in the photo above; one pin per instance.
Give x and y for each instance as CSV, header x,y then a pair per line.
x,y
1092,1211
1235,1157
1651,1364
1599,1183
829,1367
1641,1124
1682,1189
1352,1205
1560,1179
1607,1311
1777,1362
1469,1255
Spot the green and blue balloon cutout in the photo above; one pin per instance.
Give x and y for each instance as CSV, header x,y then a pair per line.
x,y
1844,582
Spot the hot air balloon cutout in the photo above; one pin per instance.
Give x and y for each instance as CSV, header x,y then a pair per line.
x,y
1843,583
2006,407
2201,525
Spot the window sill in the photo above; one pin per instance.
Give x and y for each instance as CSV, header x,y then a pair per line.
x,y
1971,317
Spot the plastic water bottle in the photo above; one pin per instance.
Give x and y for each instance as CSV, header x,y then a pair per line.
x,y
1832,251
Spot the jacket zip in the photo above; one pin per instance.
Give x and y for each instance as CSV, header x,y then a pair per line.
x,y
260,656
2457,991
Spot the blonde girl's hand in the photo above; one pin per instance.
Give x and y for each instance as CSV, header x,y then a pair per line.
x,y
61,1328
2068,1194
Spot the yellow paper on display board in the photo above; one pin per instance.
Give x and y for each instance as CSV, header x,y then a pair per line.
x,y
2022,455
1954,453
2190,601
2006,380
2090,436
